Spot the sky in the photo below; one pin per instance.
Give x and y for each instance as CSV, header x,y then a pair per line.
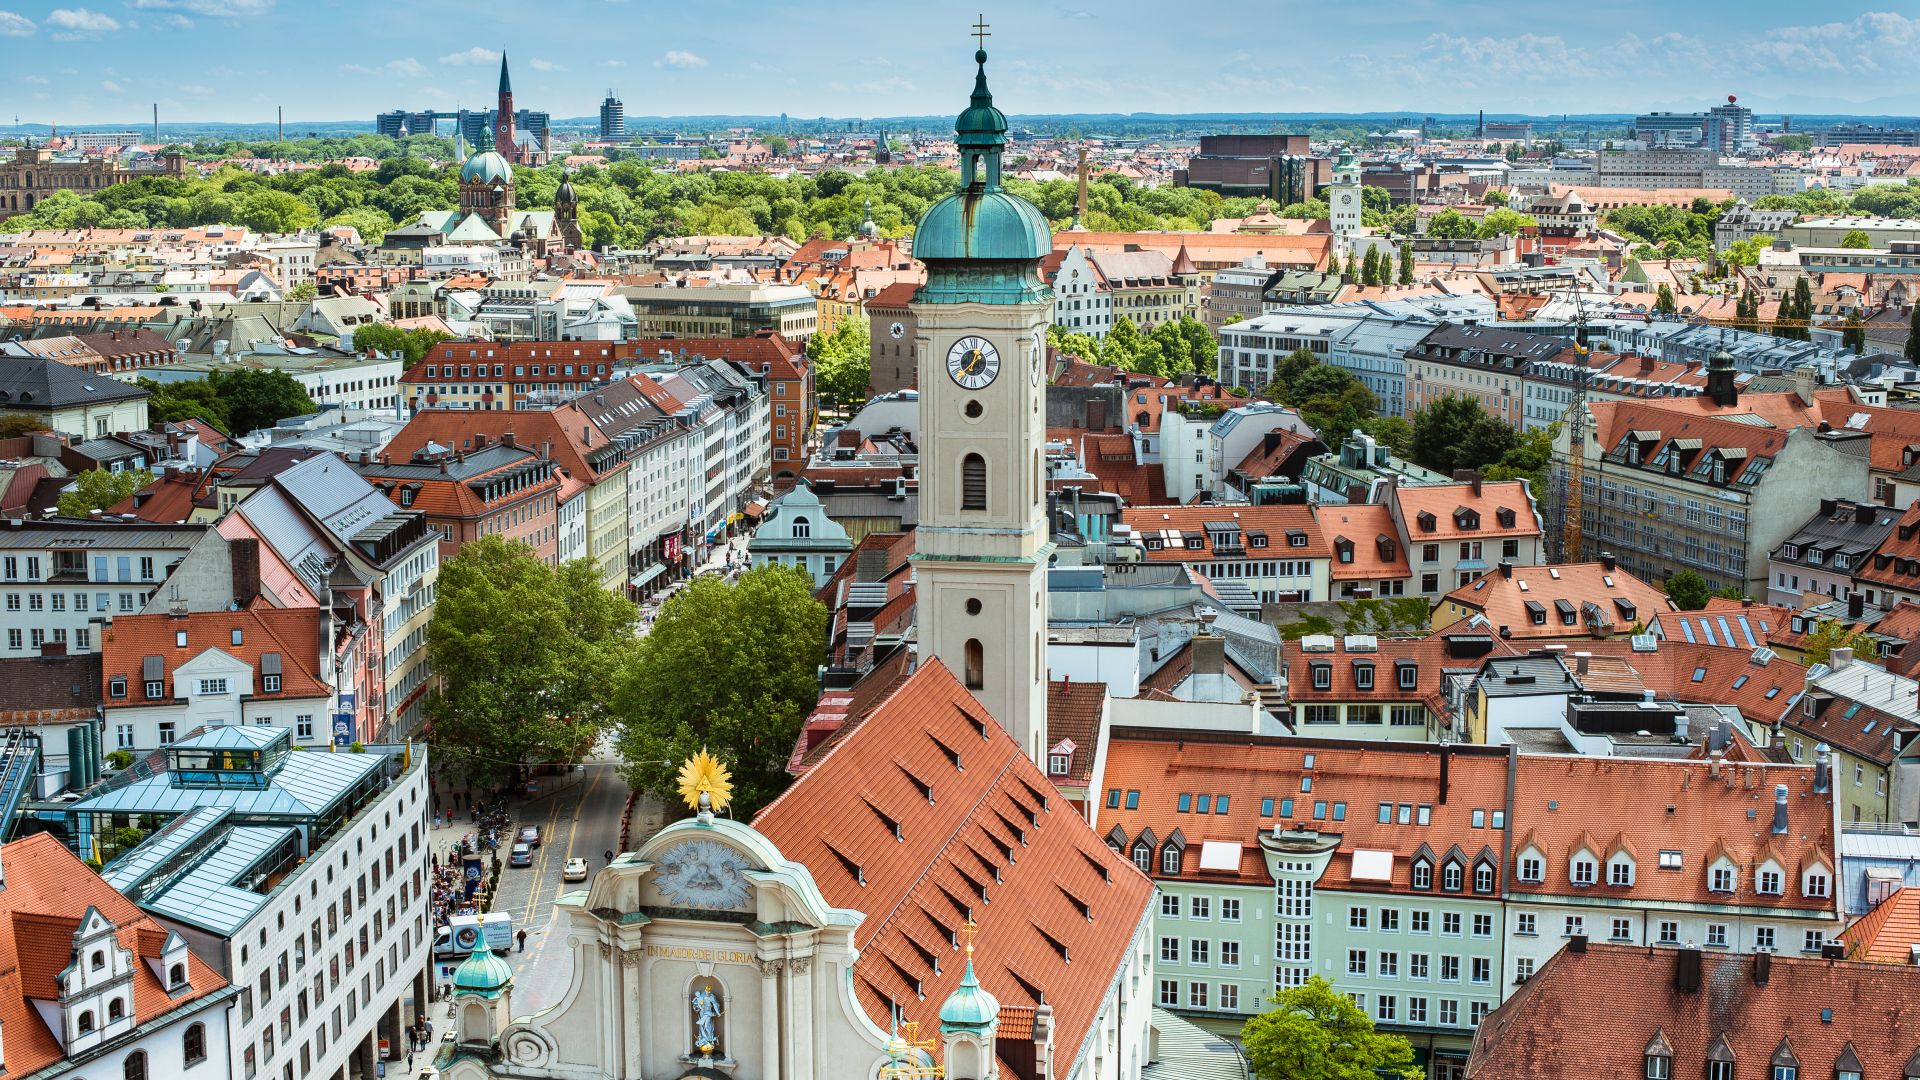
x,y
93,62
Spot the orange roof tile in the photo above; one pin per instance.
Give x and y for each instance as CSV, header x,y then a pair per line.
x,y
1510,600
1066,895
1366,542
1888,933
1279,523
292,633
1501,510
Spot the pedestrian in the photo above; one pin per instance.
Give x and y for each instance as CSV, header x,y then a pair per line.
x,y
522,936
409,1061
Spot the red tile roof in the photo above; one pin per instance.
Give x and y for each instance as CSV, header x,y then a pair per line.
x,y
1430,659
48,891
1888,933
1367,530
1066,895
1275,521
1110,458
293,633
1445,502
1503,599
1593,1016
1260,777
1073,715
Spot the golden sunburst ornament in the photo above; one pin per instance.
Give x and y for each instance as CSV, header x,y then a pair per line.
x,y
705,784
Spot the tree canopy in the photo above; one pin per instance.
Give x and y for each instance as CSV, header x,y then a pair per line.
x,y
727,667
1314,1032
524,653
386,338
843,361
97,489
1688,590
1453,432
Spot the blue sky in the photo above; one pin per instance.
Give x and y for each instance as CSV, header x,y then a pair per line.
x,y
89,62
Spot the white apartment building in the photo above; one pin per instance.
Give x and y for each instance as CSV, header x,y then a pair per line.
x,y
1082,301
61,581
320,865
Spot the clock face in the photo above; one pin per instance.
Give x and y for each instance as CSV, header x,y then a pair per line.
x,y
897,331
1039,354
1346,200
702,874
973,362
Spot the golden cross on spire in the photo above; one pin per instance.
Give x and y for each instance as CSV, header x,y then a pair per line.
x,y
980,31
971,928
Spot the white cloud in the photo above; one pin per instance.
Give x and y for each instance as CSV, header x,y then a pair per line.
x,y
538,64
406,67
475,55
74,22
177,22
36,80
616,63
680,58
112,87
13,25
212,9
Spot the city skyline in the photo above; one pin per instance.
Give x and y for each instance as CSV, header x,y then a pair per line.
x,y
109,62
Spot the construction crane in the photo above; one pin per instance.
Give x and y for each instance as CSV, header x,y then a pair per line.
x,y
1571,495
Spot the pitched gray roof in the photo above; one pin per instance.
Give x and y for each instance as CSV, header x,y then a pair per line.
x,y
28,382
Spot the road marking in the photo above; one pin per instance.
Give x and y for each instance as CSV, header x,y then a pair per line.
x,y
546,847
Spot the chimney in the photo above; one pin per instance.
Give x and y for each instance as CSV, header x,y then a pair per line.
x,y
1822,770
1476,485
507,440
1209,654
244,556
53,648
1779,809
1608,562
1804,381
1762,968
1580,662
1856,605
1577,944
1686,969
1446,772
1713,763
1839,658
1506,569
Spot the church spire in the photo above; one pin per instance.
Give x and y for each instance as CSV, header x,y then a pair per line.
x,y
981,131
506,87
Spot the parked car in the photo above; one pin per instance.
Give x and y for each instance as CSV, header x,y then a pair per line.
x,y
530,835
522,856
576,870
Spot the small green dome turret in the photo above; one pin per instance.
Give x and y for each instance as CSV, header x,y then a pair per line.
x,y
482,973
970,1008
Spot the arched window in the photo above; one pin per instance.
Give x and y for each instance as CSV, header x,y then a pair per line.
x,y
976,673
1450,877
1422,874
136,1066
116,1009
973,482
86,1021
176,976
99,960
802,528
1169,860
193,1045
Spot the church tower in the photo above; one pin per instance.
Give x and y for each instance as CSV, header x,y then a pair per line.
x,y
1344,202
503,139
566,213
983,543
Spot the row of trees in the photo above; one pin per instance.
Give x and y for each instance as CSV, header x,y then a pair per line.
x,y
624,203
1686,232
236,401
537,663
1171,350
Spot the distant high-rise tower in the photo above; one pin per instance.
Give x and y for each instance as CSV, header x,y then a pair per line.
x,y
613,118
503,140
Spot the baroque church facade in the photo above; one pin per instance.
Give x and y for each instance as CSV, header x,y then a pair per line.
x,y
921,902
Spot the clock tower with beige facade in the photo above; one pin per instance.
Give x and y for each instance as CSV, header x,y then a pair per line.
x,y
982,544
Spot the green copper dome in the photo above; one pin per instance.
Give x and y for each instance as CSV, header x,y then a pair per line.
x,y
969,1007
487,166
981,244
482,973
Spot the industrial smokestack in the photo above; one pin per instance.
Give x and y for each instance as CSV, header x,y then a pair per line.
x,y
156,121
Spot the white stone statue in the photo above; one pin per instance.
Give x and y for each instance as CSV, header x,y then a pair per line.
x,y
706,1008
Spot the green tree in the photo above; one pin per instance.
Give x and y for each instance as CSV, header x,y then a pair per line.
x,y
1123,344
1370,268
1855,335
730,668
256,399
1912,350
1406,263
1503,222
384,338
97,489
1528,460
1793,143
524,653
1831,634
1857,239
1353,268
1494,197
303,292
1449,224
1688,590
843,361
1313,1032
191,399
1203,349
14,425
1663,301
1453,432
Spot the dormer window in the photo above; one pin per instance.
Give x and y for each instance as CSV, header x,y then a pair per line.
x,y
1408,674
1452,876
1620,872
1532,867
1057,764
1817,884
1362,676
1583,870
1143,858
1322,676
1785,1065
1170,860
1720,879
1483,878
1767,881
1659,1058
1422,874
